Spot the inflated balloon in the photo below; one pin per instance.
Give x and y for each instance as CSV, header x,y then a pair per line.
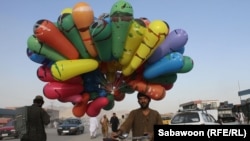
x,y
101,32
67,26
154,91
66,69
92,80
72,98
171,63
83,16
43,49
121,15
94,61
48,33
118,95
133,40
80,109
37,58
188,65
45,75
145,20
176,40
66,11
164,79
153,36
95,106
55,90
168,86
111,103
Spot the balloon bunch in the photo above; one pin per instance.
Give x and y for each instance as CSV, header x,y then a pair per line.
x,y
93,62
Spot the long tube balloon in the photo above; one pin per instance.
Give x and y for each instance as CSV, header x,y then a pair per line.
x,y
45,75
95,106
171,63
101,33
154,91
174,42
80,109
43,49
67,26
188,65
133,40
83,16
37,58
48,33
153,36
66,69
55,90
121,15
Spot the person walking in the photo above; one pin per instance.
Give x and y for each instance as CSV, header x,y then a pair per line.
x,y
93,127
241,117
114,121
37,119
105,126
141,120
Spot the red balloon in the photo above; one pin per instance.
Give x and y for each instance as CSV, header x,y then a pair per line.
x,y
73,98
118,96
94,107
54,90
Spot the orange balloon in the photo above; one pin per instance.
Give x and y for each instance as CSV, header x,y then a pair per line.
x,y
83,16
80,108
154,91
48,33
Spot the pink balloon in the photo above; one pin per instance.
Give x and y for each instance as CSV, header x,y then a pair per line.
x,y
94,107
73,98
45,75
55,90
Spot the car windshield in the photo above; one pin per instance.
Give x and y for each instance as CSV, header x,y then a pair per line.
x,y
71,121
186,118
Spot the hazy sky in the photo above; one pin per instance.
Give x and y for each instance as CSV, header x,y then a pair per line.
x,y
218,36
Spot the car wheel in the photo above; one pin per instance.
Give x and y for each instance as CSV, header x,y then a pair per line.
x,y
59,134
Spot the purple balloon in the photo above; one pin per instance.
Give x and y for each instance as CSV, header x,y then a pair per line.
x,y
174,42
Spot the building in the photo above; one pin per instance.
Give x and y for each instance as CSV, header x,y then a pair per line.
x,y
200,104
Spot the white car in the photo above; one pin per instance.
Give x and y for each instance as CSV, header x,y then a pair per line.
x,y
194,117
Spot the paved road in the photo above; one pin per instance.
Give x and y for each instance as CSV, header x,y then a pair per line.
x,y
52,136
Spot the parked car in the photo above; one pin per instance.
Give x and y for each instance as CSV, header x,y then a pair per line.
x,y
8,130
166,120
71,126
193,117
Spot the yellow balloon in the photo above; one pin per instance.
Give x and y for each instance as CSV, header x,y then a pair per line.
x,y
66,10
65,69
154,35
133,40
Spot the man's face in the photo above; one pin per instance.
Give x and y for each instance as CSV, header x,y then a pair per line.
x,y
143,101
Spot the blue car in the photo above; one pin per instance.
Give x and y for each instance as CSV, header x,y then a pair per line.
x,y
70,126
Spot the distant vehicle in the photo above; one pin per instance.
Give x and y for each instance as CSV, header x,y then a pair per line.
x,y
193,117
70,126
8,130
166,120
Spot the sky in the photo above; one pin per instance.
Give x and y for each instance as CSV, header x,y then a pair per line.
x,y
218,36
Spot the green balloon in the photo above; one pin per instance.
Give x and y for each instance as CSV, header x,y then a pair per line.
x,y
164,79
111,103
121,16
67,26
188,65
43,49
